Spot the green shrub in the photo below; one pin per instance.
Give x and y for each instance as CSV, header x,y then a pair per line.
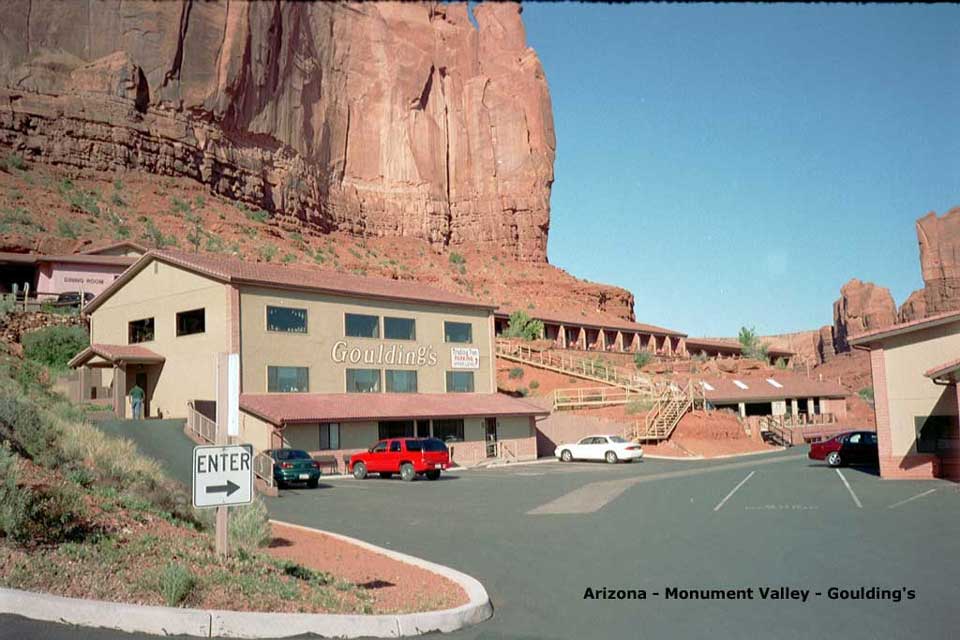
x,y
258,215
22,426
457,259
15,161
642,358
534,384
43,514
179,206
288,258
55,346
155,236
14,503
523,392
523,326
268,252
866,394
66,229
781,363
638,406
176,583
750,345
515,373
250,526
83,202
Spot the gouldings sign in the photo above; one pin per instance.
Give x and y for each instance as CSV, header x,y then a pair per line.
x,y
381,354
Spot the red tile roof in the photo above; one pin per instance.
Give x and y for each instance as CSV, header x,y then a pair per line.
x,y
236,271
117,353
941,370
592,320
759,390
712,343
72,258
877,335
287,408
98,248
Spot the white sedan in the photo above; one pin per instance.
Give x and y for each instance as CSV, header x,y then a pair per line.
x,y
610,448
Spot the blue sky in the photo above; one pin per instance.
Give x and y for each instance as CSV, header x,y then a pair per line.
x,y
736,165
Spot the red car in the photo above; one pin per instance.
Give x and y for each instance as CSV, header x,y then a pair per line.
x,y
406,456
852,447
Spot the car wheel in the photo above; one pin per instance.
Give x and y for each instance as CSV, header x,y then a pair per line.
x,y
313,484
407,472
833,459
611,457
433,474
386,475
359,471
566,456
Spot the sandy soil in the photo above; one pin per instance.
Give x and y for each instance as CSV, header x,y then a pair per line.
x,y
395,586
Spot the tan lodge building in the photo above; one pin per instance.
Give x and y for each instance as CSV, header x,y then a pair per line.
x,y
329,362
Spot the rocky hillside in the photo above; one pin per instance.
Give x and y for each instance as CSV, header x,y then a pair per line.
x,y
369,119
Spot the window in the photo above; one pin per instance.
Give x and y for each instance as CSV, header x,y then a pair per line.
x,y
399,328
423,428
359,326
288,379
190,322
432,444
854,439
448,430
401,381
380,447
457,332
286,320
329,435
414,445
459,381
395,446
363,380
396,429
140,331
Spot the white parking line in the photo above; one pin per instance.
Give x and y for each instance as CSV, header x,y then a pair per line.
x,y
729,495
850,489
919,495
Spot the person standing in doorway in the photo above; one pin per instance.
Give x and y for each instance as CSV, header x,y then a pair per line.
x,y
136,401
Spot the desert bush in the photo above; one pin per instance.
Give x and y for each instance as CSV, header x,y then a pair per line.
x,y
175,584
267,252
23,427
179,206
14,506
288,258
456,258
155,236
15,161
642,358
250,526
520,325
639,406
258,215
46,513
523,392
866,394
515,373
55,346
781,363
66,229
750,345
534,384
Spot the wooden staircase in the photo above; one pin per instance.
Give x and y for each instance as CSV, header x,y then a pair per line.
x,y
775,431
585,368
666,413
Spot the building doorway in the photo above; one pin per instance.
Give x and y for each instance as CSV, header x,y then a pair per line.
x,y
490,435
141,381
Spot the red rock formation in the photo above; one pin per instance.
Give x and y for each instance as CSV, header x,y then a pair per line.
x,y
825,349
382,119
939,239
862,306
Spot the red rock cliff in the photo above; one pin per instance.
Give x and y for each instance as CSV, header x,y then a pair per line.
x,y
385,119
939,240
862,306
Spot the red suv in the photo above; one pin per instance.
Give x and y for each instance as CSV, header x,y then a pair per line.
x,y
406,456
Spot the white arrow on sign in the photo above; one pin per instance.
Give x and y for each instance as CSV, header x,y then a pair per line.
x,y
222,475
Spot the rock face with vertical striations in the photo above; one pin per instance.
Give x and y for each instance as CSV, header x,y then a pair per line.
x,y
862,306
384,119
939,240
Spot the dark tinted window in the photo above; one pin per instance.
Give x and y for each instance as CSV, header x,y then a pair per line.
x,y
286,320
399,329
401,381
432,444
457,332
361,326
288,379
459,382
414,445
395,446
140,331
396,429
363,380
290,454
448,430
190,322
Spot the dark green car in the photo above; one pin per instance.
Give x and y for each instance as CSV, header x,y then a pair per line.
x,y
294,465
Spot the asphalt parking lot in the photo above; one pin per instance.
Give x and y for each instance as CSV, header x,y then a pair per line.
x,y
538,536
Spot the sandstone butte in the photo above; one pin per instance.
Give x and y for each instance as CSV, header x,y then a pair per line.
x,y
939,240
374,119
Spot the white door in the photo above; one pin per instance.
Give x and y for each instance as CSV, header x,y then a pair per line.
x,y
594,449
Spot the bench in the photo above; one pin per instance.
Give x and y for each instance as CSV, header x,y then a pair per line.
x,y
327,461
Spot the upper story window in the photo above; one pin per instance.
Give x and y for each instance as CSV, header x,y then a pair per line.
x,y
140,331
360,326
190,322
457,332
460,381
286,320
363,380
401,381
288,379
399,328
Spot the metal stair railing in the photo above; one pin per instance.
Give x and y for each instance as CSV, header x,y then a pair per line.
x,y
580,367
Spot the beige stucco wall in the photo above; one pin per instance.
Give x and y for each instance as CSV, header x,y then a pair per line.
x,y
255,431
910,393
160,291
325,327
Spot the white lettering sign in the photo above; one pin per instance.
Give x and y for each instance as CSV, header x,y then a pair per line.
x,y
395,354
464,357
222,475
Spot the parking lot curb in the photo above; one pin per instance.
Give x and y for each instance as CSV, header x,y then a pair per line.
x,y
201,623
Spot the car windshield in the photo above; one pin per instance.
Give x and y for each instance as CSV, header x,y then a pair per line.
x,y
617,439
291,454
433,444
